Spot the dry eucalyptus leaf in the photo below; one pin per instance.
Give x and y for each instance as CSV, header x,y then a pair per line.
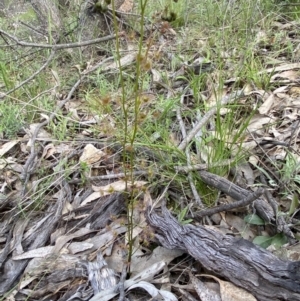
x,y
106,238
91,154
156,76
150,288
77,247
126,6
58,232
48,151
267,105
18,233
39,252
118,186
153,291
284,67
67,207
7,147
74,114
168,296
125,61
42,133
115,259
230,292
62,240
289,74
52,262
158,254
257,122
240,225
147,274
143,276
11,165
204,292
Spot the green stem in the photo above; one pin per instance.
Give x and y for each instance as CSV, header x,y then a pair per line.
x,y
130,138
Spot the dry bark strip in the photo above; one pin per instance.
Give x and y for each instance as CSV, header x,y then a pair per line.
x,y
12,269
239,261
100,215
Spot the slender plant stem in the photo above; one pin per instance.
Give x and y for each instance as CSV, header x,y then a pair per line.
x,y
129,134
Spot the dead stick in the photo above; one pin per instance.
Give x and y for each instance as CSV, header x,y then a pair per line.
x,y
244,202
225,100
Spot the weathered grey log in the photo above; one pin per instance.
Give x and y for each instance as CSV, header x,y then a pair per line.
x,y
239,261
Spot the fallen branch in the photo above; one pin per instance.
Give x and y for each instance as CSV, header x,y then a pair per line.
x,y
238,260
263,209
59,46
47,63
244,202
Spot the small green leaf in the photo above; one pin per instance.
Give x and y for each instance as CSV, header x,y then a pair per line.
x,y
279,240
294,204
254,219
182,214
262,241
185,222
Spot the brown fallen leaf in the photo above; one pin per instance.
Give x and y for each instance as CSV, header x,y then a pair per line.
x,y
230,292
118,186
91,154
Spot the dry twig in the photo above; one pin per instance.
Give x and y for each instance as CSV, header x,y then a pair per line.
x,y
225,100
188,158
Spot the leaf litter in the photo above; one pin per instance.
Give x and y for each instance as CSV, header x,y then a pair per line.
x,y
64,232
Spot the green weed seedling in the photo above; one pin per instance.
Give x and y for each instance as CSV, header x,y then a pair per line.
x,y
290,172
181,216
11,119
5,77
277,241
